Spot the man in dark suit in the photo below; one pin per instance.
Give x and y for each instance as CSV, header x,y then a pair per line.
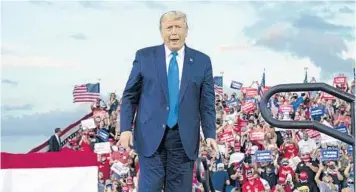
x,y
55,141
171,88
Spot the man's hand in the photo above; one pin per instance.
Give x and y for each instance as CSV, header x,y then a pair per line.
x,y
211,143
126,139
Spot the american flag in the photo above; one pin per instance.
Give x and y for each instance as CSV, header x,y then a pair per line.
x,y
262,85
218,85
86,93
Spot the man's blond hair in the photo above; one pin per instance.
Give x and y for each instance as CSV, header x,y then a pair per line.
x,y
173,15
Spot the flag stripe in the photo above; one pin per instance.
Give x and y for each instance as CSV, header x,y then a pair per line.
x,y
78,179
48,160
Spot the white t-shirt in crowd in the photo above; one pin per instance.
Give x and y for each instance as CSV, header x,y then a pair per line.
x,y
307,146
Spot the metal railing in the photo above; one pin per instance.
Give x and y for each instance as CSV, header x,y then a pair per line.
x,y
349,139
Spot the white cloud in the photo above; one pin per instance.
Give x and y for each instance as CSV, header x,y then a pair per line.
x,y
117,30
33,62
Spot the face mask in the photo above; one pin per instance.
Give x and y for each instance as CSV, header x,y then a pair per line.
x,y
351,186
285,163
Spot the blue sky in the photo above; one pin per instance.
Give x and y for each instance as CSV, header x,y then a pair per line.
x,y
49,46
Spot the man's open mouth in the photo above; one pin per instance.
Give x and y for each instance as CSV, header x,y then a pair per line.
x,y
174,40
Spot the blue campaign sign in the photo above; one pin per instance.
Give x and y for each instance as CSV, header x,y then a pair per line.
x,y
251,99
317,112
103,135
263,156
342,129
236,85
329,154
233,102
349,149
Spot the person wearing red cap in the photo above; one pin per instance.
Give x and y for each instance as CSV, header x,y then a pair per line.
x,y
282,186
304,185
308,166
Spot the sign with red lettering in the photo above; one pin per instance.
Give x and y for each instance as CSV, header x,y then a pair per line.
x,y
286,108
340,80
241,124
327,96
257,135
227,137
313,134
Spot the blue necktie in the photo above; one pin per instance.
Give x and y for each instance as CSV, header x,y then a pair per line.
x,y
173,90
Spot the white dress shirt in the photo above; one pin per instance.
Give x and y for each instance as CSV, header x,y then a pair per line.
x,y
57,137
180,60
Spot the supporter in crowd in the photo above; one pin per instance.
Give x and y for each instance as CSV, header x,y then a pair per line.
x,y
253,156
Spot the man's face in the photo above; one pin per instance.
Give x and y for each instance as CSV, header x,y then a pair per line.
x,y
173,32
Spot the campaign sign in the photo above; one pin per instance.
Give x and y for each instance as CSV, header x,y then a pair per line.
x,y
236,85
233,102
342,129
103,135
317,112
349,149
263,156
227,137
330,154
250,99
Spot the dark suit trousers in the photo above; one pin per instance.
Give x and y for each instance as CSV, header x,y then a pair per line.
x,y
169,166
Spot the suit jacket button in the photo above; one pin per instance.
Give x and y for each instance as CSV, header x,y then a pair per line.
x,y
167,108
164,126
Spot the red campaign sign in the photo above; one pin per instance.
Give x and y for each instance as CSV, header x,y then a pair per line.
x,y
340,80
327,96
240,125
227,137
251,92
257,135
313,134
247,107
286,108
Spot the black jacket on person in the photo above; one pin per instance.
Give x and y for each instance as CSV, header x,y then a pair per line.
x,y
54,144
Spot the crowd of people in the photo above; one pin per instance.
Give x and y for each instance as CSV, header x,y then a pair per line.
x,y
253,156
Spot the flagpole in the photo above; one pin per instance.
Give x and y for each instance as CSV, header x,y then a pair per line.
x,y
306,74
222,81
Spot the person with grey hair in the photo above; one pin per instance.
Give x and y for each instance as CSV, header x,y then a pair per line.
x,y
171,87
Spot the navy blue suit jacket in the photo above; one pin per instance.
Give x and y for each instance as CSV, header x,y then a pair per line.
x,y
146,92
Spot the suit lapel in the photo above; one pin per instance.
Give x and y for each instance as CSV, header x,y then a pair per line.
x,y
187,71
160,63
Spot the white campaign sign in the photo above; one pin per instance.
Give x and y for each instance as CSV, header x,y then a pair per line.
x,y
119,168
101,148
88,124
